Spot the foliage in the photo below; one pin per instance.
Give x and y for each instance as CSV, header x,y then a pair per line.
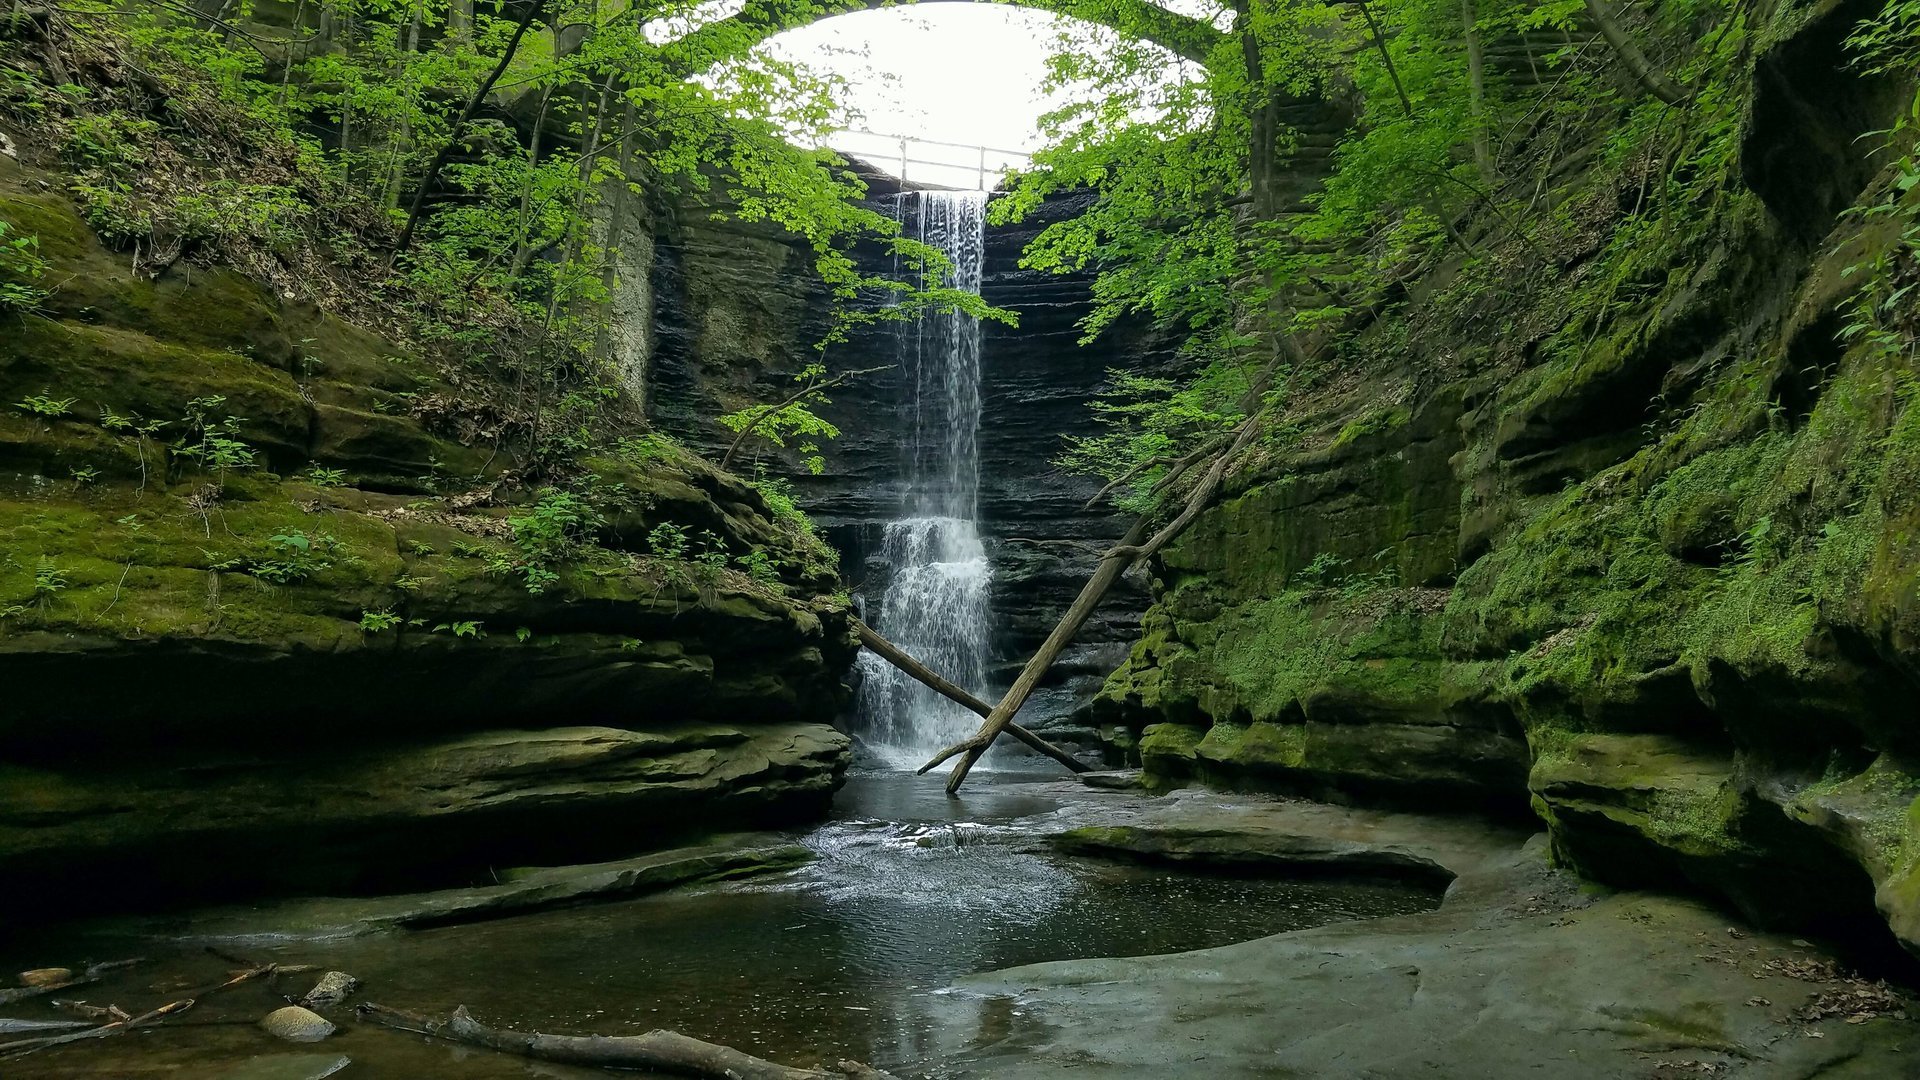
x,y
213,444
21,270
45,405
792,419
558,525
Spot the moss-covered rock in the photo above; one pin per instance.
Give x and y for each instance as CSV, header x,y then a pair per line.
x,y
266,578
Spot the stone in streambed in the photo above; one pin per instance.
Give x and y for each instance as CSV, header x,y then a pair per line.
x,y
288,1067
296,1024
333,988
46,977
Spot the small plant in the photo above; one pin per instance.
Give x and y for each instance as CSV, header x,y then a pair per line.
x,y
319,476
1751,550
642,451
48,579
668,541
523,634
415,547
84,475
408,583
710,563
553,529
1324,570
45,405
469,628
373,622
759,567
131,522
21,269
294,557
213,444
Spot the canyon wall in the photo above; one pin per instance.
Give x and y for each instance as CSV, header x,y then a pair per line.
x,y
1653,581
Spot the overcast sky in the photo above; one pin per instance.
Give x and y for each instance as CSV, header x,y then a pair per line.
x,y
960,73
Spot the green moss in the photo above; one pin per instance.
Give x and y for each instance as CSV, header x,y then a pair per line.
x,y
1170,748
1373,423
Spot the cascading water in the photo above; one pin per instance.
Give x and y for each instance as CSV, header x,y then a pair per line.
x,y
934,604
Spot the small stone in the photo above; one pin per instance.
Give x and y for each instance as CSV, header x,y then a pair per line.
x,y
333,988
46,977
296,1024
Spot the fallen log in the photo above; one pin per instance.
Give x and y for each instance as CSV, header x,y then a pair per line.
x,y
1135,546
900,658
660,1051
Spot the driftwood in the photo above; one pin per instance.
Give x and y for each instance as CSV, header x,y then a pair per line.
x,y
659,1051
1135,546
93,974
118,1027
900,658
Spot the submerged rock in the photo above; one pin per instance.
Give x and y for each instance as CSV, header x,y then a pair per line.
x,y
333,988
46,977
296,1024
287,1067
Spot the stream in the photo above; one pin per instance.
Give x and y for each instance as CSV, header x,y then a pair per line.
x,y
846,957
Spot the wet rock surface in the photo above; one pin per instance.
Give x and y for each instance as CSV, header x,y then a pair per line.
x,y
1522,969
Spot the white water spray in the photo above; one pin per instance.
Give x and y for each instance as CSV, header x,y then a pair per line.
x,y
935,602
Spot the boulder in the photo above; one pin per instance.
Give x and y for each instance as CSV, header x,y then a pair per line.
x,y
296,1024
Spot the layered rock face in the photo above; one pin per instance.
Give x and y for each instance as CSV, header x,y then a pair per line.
x,y
266,620
1653,578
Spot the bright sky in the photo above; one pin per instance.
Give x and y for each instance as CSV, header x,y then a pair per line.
x,y
957,73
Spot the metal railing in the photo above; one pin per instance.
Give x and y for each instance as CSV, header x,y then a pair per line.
x,y
902,148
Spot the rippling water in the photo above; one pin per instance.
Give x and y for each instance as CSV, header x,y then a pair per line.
x,y
844,958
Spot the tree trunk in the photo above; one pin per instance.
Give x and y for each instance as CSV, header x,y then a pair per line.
x,y
900,658
1123,555
1091,594
1653,79
1477,98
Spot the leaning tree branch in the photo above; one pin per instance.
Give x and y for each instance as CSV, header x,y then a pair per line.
x,y
656,1051
767,412
900,658
1136,545
472,109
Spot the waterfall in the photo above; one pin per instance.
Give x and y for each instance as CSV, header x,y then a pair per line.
x,y
934,599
